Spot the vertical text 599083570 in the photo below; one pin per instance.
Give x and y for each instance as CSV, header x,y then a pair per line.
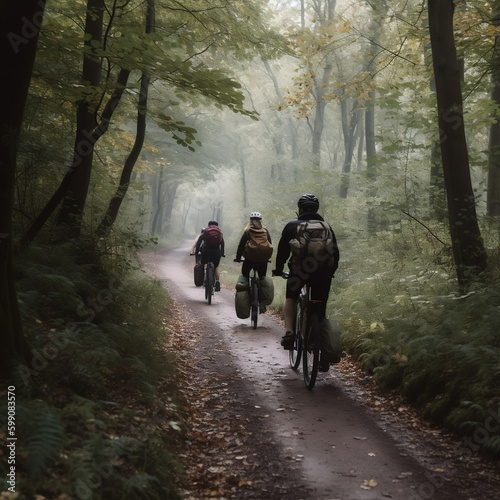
x,y
11,438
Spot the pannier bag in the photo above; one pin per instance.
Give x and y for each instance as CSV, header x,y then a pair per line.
x,y
242,283
314,241
198,274
266,290
242,298
331,348
242,304
258,247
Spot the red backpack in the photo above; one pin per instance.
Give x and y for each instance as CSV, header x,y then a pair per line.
x,y
213,237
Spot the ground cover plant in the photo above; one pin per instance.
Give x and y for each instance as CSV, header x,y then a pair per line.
x,y
418,337
91,402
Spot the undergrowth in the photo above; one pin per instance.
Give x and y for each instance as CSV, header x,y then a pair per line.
x,y
411,330
91,421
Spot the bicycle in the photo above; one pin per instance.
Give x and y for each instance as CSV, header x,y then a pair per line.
x,y
209,281
307,337
254,296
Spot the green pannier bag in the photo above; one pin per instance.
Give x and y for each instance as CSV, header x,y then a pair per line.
x,y
242,304
331,347
242,298
266,290
242,283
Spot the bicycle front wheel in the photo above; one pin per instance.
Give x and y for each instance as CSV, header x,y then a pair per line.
x,y
296,353
311,352
254,305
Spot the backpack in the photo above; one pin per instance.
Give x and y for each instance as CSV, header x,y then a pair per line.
x,y
314,241
258,247
213,236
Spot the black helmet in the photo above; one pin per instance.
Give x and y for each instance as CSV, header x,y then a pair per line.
x,y
213,223
308,203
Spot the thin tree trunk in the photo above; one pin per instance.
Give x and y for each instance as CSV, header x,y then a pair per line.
x,y
19,29
157,202
71,213
349,126
468,249
493,192
243,184
115,203
169,205
86,148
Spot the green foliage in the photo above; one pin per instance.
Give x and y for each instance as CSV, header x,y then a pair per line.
x,y
95,369
411,331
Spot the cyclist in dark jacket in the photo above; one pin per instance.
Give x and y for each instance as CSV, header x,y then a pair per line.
x,y
319,277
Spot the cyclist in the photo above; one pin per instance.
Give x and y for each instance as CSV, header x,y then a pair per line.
x,y
213,248
256,246
318,272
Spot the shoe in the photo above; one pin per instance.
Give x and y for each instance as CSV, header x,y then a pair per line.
x,y
263,309
324,364
217,286
288,341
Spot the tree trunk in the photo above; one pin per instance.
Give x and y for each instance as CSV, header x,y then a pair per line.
x,y
493,193
87,147
467,244
71,213
437,198
19,28
243,184
169,206
157,202
324,15
115,203
349,126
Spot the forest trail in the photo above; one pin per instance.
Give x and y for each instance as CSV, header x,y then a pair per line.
x,y
255,431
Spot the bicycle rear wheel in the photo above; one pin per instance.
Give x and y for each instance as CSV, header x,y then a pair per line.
x,y
295,353
254,305
209,282
311,352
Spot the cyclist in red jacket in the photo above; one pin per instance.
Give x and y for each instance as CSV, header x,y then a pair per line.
x,y
213,248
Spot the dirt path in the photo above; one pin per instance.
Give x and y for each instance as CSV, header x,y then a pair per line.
x,y
255,431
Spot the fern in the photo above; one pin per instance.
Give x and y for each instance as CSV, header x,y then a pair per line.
x,y
43,437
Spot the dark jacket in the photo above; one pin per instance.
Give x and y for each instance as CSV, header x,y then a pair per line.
x,y
289,233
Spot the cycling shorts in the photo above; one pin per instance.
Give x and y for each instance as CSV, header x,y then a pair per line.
x,y
210,253
248,265
319,280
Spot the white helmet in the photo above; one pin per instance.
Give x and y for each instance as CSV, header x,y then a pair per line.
x,y
255,215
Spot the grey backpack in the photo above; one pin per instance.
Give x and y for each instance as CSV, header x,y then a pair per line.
x,y
314,241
